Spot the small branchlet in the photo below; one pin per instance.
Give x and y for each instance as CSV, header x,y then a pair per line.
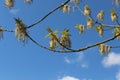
x,y
1,32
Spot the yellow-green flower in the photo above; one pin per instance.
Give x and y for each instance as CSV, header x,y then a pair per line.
x,y
87,10
9,3
100,15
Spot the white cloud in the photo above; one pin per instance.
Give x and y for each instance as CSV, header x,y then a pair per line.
x,y
14,11
111,60
67,60
68,78
84,65
79,57
118,76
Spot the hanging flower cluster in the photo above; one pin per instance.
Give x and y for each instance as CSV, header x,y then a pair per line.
x,y
114,16
104,49
1,33
99,29
87,10
80,27
53,43
9,3
53,36
66,8
117,31
117,2
54,39
28,1
75,1
20,30
90,23
100,15
65,39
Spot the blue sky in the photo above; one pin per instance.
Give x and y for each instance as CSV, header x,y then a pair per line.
x,y
30,62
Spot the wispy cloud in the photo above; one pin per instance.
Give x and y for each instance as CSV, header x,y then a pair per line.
x,y
79,59
67,60
111,60
73,78
84,65
14,11
68,78
118,75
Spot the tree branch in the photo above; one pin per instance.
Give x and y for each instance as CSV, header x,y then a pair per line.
x,y
77,50
40,20
38,44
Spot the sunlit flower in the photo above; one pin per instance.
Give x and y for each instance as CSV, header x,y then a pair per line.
x,y
90,23
107,49
75,1
100,15
9,3
81,28
117,2
53,43
117,32
99,29
104,49
114,15
65,39
66,8
20,30
28,1
87,10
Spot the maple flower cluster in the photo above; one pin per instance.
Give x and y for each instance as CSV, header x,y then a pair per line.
x,y
114,16
10,3
67,8
20,30
64,40
117,31
104,49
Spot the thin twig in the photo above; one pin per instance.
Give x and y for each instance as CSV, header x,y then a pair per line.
x,y
97,22
105,41
40,20
118,22
8,30
115,46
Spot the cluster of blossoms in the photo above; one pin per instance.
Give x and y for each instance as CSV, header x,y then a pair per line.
x,y
67,8
117,31
64,40
10,3
114,16
104,49
20,31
